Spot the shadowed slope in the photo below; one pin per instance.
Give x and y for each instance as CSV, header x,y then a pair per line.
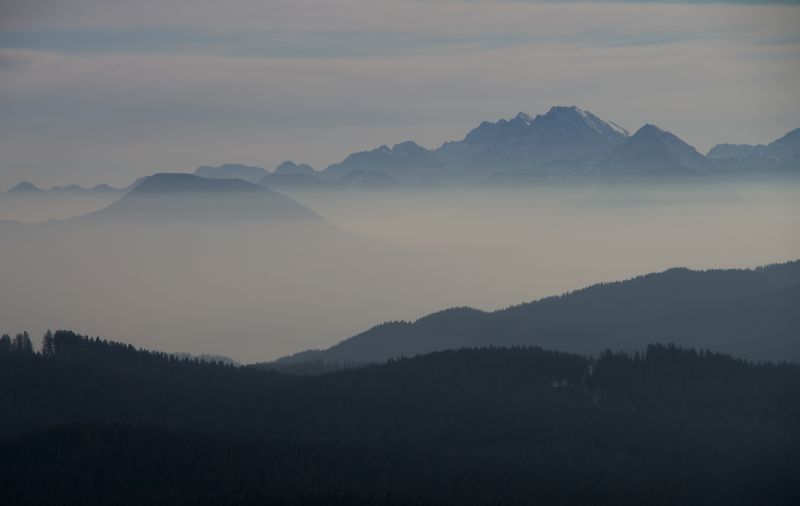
x,y
751,313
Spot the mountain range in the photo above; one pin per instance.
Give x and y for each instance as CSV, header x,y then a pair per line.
x,y
563,133
26,188
749,313
566,144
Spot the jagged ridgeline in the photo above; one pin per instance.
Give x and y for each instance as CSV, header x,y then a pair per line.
x,y
92,422
568,144
565,145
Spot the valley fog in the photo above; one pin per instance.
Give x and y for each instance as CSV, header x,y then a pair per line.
x,y
536,242
257,291
251,291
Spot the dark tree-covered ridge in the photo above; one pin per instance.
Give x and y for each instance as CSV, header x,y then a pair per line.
x,y
95,422
751,313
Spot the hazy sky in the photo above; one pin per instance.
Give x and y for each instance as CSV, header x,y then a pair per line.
x,y
106,90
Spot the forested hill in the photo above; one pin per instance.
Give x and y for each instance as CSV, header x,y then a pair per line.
x,y
751,313
91,422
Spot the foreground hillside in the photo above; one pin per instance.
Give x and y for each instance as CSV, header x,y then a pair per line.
x,y
91,422
749,313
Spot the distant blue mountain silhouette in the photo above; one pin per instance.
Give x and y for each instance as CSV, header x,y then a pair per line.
x,y
189,197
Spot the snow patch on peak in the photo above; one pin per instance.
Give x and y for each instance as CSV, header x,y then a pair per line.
x,y
618,128
574,115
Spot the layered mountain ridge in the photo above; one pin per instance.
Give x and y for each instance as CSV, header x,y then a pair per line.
x,y
566,144
28,188
749,313
781,155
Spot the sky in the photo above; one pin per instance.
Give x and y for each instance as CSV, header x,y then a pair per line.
x,y
107,91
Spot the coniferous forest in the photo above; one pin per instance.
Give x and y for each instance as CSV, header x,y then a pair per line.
x,y
87,421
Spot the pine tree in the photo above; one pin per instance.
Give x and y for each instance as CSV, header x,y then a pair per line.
x,y
48,344
22,344
5,345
